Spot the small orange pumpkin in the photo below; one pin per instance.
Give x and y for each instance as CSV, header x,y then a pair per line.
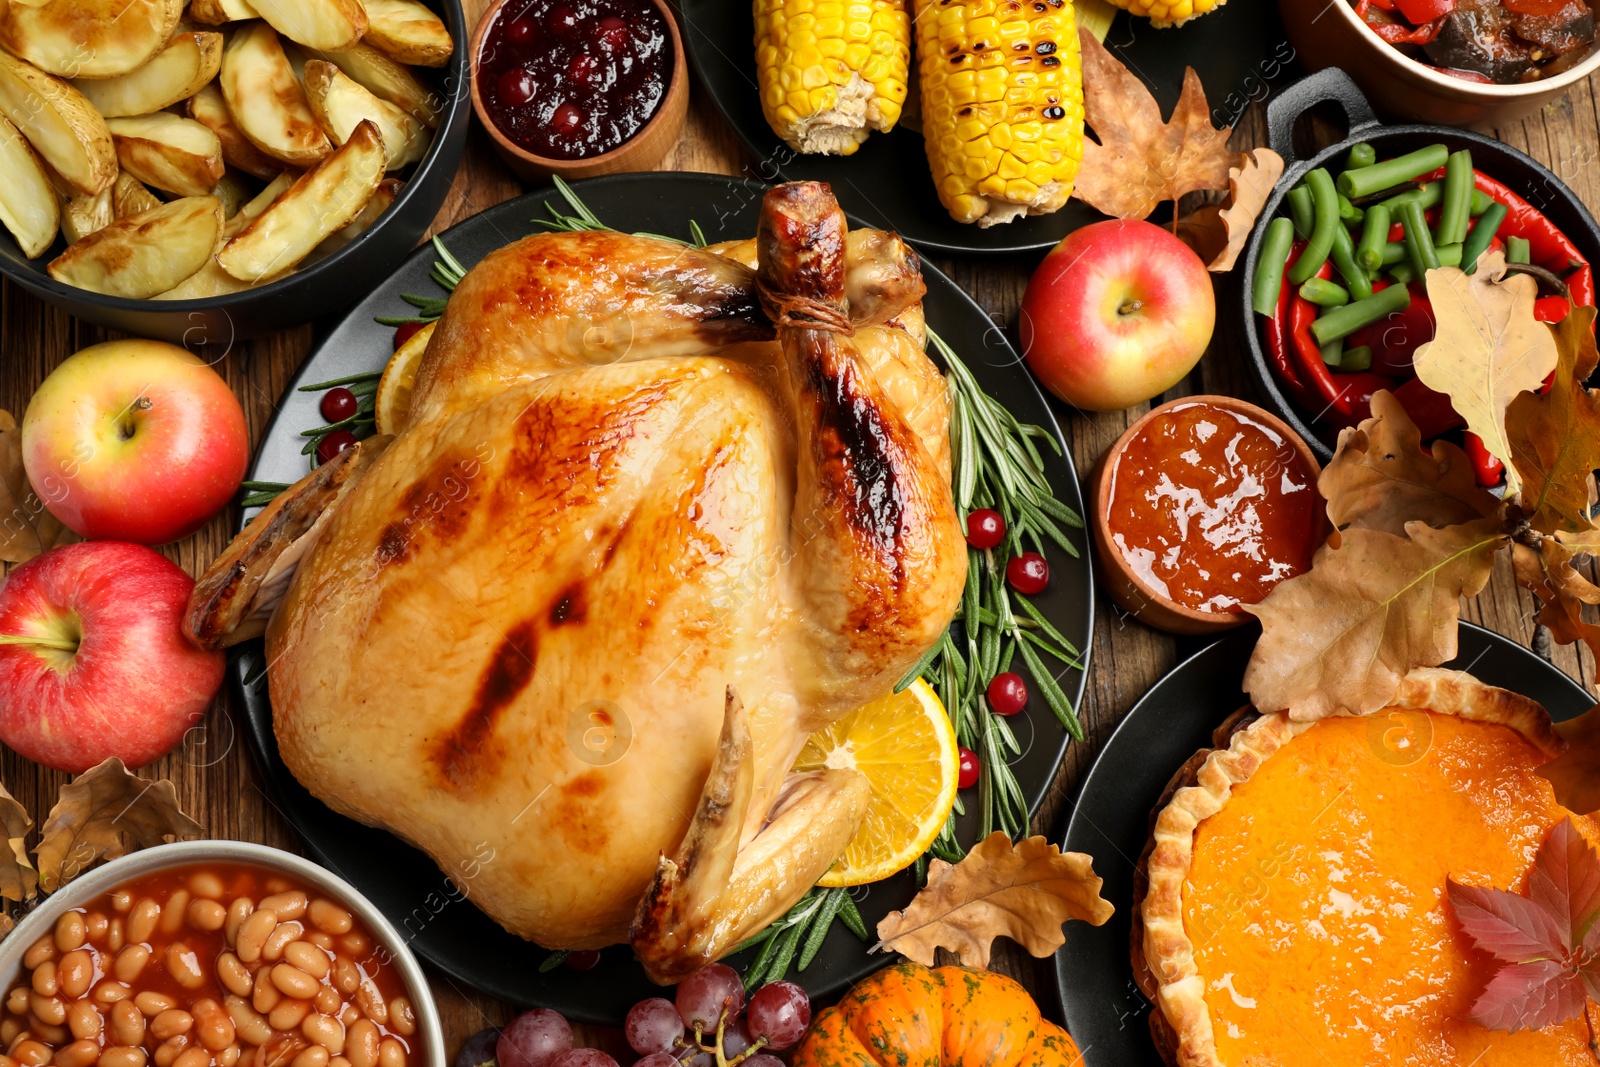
x,y
911,1016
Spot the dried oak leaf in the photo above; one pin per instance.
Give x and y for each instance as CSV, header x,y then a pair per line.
x,y
1575,773
1547,943
27,528
18,879
106,812
1341,636
1024,892
1218,232
1487,348
1555,437
1140,161
1381,478
1550,573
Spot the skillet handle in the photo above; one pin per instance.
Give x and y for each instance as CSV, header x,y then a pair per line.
x,y
1287,107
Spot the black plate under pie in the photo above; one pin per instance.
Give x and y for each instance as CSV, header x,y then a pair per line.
x,y
436,916
1238,50
1103,1008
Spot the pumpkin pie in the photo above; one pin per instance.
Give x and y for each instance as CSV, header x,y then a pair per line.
x,y
1294,908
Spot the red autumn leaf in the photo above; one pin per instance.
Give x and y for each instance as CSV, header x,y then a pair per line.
x,y
1548,941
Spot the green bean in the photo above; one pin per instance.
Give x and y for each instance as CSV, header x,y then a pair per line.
x,y
1344,321
1333,353
1481,201
1354,359
1419,240
1403,273
1481,236
1361,155
1325,205
1456,203
1344,259
1353,183
1427,196
1394,252
1374,235
1348,212
1449,256
1268,283
1323,293
1300,211
1517,250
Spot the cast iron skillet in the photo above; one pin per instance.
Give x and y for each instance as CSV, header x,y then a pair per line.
x,y
434,912
1110,820
1524,175
318,290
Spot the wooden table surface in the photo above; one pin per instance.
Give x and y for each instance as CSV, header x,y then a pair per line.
x,y
216,780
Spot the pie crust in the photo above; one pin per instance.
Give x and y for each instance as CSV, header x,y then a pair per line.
x,y
1165,956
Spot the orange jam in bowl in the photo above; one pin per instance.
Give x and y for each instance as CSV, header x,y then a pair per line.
x,y
1209,507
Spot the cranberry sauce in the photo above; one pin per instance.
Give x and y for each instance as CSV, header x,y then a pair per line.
x,y
570,79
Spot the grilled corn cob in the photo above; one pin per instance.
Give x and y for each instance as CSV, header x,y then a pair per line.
x,y
1002,105
1168,12
831,71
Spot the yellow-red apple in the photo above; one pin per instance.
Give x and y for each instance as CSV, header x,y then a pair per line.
x,y
134,441
1117,313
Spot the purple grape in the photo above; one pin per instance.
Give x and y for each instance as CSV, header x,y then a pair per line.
x,y
761,1059
534,1039
735,1039
691,1056
583,1057
780,1012
653,1026
707,994
479,1048
658,1059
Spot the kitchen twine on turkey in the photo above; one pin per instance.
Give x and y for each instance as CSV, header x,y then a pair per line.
x,y
802,312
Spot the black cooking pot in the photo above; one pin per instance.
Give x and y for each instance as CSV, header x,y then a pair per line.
x,y
1522,174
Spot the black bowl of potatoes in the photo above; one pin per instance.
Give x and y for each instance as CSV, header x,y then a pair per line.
x,y
206,170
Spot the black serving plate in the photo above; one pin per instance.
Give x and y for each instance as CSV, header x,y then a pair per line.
x,y
1238,50
318,290
440,925
1104,1010
1519,172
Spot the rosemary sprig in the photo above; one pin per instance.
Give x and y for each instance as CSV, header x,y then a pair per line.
x,y
796,938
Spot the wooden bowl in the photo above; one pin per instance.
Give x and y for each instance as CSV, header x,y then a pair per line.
x,y
642,151
1129,590
1331,34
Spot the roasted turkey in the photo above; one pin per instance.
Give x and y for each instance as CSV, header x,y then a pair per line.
x,y
655,515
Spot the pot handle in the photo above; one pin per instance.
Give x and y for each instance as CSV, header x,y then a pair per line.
x,y
1287,107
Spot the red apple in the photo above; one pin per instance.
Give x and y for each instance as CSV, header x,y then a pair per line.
x,y
1117,313
134,441
93,662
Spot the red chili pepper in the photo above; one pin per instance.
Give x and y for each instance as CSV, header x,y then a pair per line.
x,y
1535,7
1485,468
1551,309
1278,346
1431,411
1419,11
1394,33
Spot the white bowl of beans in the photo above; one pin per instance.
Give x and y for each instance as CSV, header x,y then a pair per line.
x,y
212,954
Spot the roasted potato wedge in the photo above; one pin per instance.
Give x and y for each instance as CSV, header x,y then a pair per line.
x,y
265,99
407,31
222,12
341,104
169,152
329,24
60,123
321,202
389,81
29,206
88,38
209,280
382,197
83,215
129,197
177,72
262,200
144,254
209,109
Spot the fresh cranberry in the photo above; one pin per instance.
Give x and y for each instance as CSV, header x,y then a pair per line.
x,y
339,404
566,119
1028,573
612,33
583,959
582,68
334,443
520,31
515,87
563,21
985,529
968,775
1007,693
405,332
